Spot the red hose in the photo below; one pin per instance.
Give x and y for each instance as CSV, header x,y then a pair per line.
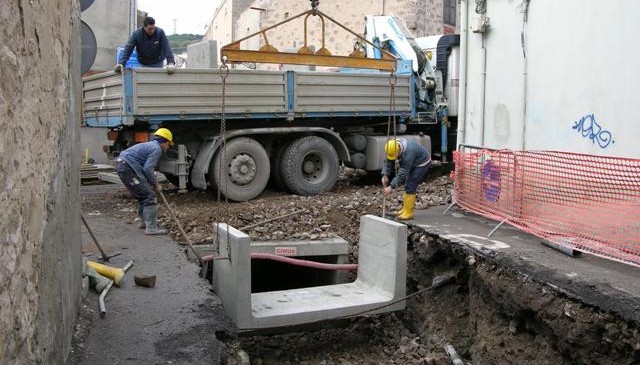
x,y
296,262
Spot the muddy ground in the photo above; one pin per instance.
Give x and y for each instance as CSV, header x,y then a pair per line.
x,y
489,313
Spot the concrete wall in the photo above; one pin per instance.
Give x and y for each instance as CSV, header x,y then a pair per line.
x,y
40,262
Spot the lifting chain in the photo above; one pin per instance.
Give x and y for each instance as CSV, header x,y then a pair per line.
x,y
391,128
222,178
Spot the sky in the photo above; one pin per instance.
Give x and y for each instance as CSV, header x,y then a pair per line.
x,y
192,16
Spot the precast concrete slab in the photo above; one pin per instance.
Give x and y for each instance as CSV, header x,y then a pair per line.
x,y
379,287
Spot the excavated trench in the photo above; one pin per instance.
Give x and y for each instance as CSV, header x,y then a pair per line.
x,y
494,314
489,312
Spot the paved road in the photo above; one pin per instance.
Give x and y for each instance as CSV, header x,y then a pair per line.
x,y
174,323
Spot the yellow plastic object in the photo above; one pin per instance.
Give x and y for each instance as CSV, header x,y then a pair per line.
x,y
392,148
164,133
409,205
114,273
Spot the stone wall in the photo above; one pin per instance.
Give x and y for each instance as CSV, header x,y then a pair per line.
x,y
40,259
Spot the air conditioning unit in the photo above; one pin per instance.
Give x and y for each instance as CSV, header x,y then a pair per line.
x,y
106,24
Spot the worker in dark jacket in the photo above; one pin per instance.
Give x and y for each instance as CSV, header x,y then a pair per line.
x,y
136,168
414,161
152,46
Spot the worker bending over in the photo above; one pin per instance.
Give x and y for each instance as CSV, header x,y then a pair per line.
x,y
136,167
414,161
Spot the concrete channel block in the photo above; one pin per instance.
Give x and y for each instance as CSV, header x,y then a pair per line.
x,y
381,280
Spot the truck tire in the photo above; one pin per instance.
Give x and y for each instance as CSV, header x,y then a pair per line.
x,y
245,169
309,166
276,167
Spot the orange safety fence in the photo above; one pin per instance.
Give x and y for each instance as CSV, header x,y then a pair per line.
x,y
582,202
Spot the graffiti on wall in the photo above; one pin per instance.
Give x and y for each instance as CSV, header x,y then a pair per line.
x,y
589,128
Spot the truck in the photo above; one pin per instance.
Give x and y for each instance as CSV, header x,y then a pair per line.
x,y
237,130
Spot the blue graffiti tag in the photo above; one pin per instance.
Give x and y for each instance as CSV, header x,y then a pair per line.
x,y
589,128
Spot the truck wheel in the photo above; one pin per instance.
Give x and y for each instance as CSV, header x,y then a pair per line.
x,y
309,166
241,171
276,167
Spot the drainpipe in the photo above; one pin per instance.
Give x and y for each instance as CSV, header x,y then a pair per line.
x,y
133,15
483,83
525,73
462,91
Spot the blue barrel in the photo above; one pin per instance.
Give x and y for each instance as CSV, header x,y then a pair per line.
x,y
133,60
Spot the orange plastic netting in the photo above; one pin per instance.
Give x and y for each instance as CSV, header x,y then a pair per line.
x,y
582,202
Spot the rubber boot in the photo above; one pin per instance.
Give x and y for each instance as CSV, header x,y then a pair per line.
x,y
409,205
401,210
142,224
151,220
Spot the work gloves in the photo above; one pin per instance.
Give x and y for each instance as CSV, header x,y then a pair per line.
x,y
171,68
118,68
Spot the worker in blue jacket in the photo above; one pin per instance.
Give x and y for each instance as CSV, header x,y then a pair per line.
x,y
136,168
414,161
152,46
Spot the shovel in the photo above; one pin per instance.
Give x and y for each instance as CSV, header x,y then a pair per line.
x,y
105,257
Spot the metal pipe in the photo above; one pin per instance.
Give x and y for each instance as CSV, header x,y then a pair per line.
x,y
483,87
525,73
453,355
462,90
103,309
565,247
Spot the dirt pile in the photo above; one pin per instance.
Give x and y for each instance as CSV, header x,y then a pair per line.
x,y
332,214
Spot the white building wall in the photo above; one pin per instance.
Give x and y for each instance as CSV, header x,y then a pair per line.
x,y
577,81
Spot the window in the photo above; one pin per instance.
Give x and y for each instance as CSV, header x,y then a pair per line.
x,y
449,12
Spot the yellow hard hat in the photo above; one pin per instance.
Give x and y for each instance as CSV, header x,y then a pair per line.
x,y
164,133
393,149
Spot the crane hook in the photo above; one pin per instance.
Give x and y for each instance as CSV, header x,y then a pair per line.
x,y
314,6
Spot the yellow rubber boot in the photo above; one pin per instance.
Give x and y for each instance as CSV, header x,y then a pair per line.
x,y
401,210
409,205
114,273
